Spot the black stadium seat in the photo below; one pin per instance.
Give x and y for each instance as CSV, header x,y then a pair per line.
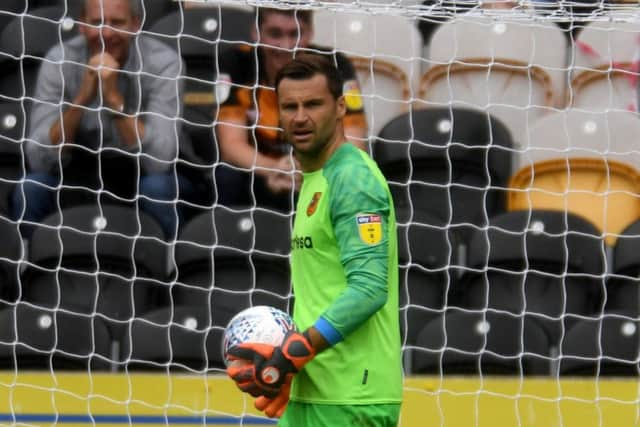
x,y
610,346
8,10
447,163
198,35
467,343
12,131
51,339
427,258
25,41
176,338
227,258
97,259
11,255
623,285
547,265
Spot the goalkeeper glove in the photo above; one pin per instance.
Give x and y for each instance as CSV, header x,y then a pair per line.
x,y
271,367
275,407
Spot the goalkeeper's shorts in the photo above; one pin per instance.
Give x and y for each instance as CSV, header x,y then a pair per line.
x,y
318,415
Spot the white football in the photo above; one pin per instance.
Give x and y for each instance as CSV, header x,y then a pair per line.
x,y
260,325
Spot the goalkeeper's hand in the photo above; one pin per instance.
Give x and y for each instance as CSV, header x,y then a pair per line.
x,y
271,366
274,407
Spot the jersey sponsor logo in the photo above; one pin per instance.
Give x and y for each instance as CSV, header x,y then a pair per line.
x,y
301,242
223,88
352,95
369,228
313,204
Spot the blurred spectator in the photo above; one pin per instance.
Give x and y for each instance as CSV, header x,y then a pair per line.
x,y
111,91
247,121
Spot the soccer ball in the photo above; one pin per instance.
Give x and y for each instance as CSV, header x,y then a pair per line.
x,y
260,324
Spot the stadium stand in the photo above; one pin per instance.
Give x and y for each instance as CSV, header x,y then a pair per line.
x,y
387,71
175,338
199,35
500,272
623,293
9,9
604,67
427,256
516,74
447,163
12,129
23,44
53,339
601,347
11,256
97,259
468,343
543,265
233,258
581,162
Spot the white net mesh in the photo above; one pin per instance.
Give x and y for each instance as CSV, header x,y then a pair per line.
x,y
133,232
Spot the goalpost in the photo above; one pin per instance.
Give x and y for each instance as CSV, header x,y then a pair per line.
x,y
507,132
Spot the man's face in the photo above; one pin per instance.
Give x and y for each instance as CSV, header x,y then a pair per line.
x,y
110,22
279,34
308,113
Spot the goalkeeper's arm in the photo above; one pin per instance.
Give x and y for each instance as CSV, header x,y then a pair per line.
x,y
365,294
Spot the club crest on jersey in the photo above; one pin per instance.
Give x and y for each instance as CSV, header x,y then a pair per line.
x,y
313,204
369,228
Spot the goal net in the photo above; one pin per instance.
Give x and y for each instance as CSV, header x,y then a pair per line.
x,y
137,218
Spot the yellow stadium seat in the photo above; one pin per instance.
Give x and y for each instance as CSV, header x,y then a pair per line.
x,y
606,192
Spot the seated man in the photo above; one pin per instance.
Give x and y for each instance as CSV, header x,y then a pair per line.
x,y
256,160
106,103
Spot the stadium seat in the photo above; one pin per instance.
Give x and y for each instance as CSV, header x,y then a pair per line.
x,y
465,343
602,347
430,22
200,35
427,261
582,11
548,266
97,259
623,286
451,164
11,256
228,258
581,162
52,339
605,89
604,67
24,43
153,10
515,74
8,11
12,132
387,70
176,338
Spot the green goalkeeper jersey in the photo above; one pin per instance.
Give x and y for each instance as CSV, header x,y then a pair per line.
x,y
344,266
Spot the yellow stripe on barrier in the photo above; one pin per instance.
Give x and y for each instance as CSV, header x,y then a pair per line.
x,y
105,400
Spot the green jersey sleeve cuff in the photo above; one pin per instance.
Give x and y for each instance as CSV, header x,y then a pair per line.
x,y
328,332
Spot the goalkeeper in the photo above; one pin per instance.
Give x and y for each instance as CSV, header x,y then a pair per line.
x,y
344,368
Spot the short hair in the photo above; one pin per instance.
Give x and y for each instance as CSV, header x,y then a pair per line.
x,y
307,65
134,8
305,16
